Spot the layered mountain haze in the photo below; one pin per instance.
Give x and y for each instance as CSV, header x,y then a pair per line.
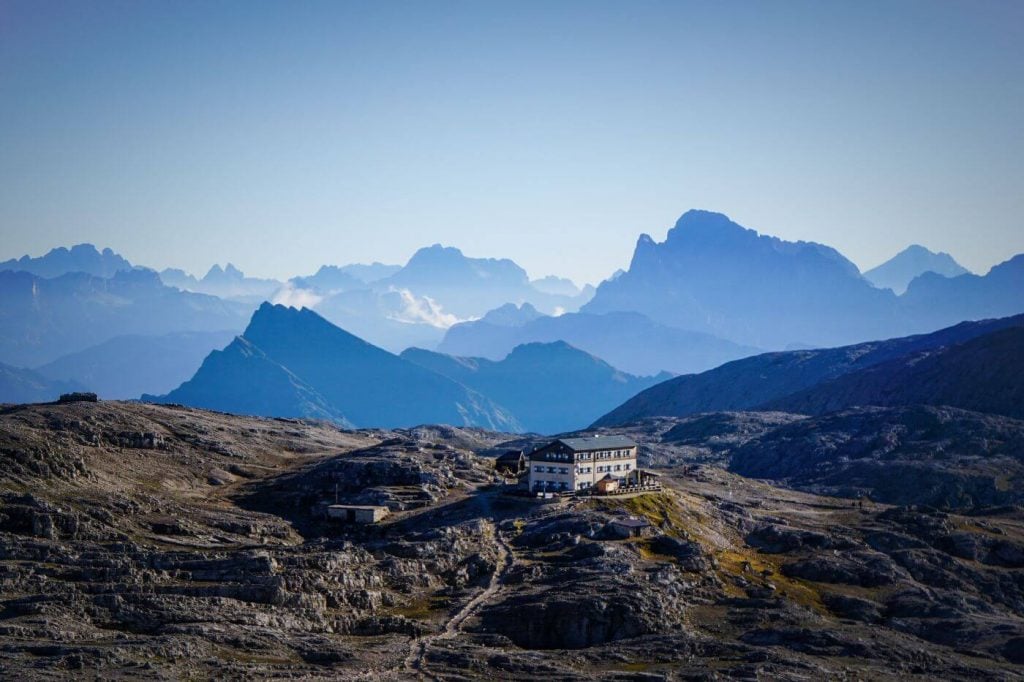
x,y
228,282
630,341
327,370
549,387
44,319
915,260
932,300
26,386
469,287
125,367
394,319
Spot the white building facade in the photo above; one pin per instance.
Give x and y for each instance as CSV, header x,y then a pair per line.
x,y
570,464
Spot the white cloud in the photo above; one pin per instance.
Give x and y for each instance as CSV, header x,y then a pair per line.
x,y
293,297
415,309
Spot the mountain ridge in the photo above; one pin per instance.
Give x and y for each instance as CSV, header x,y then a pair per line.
x,y
549,387
335,371
765,380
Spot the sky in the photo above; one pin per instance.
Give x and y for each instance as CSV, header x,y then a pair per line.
x,y
284,135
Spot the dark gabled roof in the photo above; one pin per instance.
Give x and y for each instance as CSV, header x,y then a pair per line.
x,y
597,443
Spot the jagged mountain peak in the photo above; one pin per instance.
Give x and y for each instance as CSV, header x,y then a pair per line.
x,y
512,315
713,275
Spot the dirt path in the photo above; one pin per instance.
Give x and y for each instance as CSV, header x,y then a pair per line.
x,y
414,663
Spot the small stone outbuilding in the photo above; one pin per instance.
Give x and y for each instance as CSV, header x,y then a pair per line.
x,y
357,513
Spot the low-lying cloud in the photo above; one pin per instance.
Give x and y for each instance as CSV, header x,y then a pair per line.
x,y
294,297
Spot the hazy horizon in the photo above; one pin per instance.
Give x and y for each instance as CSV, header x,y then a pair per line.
x,y
281,137
223,263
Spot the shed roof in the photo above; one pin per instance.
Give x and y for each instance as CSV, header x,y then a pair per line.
x,y
632,522
356,506
597,443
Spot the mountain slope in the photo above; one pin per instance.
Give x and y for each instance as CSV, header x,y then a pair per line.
x,y
985,374
128,366
629,341
550,387
60,261
44,319
897,272
348,376
764,380
241,379
714,276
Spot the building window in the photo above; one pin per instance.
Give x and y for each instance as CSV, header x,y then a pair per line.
x,y
563,470
627,467
539,470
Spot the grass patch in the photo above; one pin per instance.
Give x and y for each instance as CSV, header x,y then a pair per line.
x,y
647,553
798,591
661,509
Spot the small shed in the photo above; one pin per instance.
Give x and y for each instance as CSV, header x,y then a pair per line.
x,y
606,485
631,527
357,513
511,463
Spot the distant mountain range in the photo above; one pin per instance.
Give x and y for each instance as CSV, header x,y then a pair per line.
x,y
294,363
228,282
43,319
710,293
60,261
972,365
629,341
897,272
933,301
549,387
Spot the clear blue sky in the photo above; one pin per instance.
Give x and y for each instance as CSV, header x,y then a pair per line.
x,y
285,135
